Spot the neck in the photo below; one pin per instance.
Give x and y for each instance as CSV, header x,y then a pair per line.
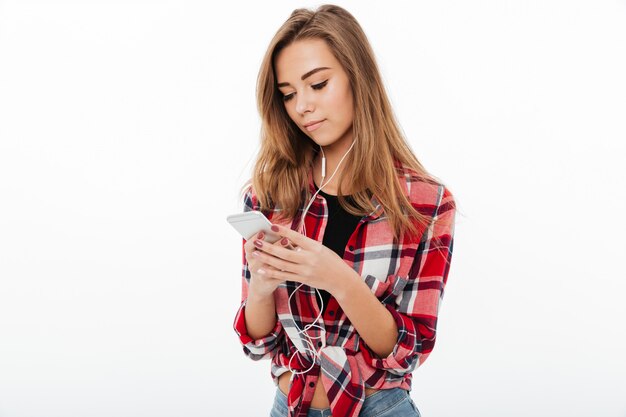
x,y
333,157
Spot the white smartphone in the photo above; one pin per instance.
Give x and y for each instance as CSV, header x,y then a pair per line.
x,y
250,223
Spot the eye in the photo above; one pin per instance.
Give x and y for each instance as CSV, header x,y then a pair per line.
x,y
318,86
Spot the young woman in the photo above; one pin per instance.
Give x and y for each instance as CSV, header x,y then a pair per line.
x,y
345,304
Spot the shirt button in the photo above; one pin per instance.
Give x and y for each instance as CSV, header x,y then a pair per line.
x,y
319,344
311,384
331,313
351,247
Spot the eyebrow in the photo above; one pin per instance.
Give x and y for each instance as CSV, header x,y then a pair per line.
x,y
305,76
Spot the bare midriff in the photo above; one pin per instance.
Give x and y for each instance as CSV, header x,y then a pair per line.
x,y
320,399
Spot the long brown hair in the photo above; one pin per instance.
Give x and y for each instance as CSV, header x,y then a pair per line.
x,y
280,174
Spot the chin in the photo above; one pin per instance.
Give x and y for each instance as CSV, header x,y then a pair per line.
x,y
324,141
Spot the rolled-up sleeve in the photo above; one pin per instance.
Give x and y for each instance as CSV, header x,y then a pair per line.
x,y
415,309
255,349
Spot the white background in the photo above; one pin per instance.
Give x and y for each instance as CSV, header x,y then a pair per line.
x,y
128,127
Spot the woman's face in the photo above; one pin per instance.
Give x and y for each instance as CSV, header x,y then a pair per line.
x,y
315,87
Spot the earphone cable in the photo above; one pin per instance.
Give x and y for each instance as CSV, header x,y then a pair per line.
x,y
302,229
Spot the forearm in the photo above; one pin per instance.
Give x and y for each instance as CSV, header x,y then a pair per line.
x,y
374,323
260,315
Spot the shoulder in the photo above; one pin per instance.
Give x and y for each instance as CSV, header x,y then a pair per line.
x,y
250,199
251,202
422,191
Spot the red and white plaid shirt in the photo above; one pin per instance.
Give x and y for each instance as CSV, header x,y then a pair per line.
x,y
407,277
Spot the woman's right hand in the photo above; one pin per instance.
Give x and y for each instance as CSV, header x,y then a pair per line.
x,y
260,284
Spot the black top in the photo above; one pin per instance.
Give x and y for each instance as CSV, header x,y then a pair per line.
x,y
339,228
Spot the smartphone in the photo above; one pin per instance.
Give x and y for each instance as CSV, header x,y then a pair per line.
x,y
250,223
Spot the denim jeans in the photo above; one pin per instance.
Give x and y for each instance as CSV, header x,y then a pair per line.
x,y
395,402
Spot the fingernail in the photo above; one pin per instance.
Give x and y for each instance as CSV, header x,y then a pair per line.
x,y
258,243
260,235
284,241
261,271
274,228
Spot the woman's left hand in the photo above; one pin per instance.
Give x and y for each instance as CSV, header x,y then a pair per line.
x,y
310,262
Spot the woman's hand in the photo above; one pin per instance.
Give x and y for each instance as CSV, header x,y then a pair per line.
x,y
310,262
262,285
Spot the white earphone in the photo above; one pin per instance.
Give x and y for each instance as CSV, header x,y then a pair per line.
x,y
302,229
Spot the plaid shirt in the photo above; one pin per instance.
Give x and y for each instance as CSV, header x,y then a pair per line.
x,y
407,277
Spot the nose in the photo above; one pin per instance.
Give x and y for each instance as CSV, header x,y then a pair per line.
x,y
304,103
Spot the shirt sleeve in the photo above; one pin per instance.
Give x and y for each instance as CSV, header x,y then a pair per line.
x,y
255,349
416,307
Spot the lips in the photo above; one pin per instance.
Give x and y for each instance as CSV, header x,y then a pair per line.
x,y
311,126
